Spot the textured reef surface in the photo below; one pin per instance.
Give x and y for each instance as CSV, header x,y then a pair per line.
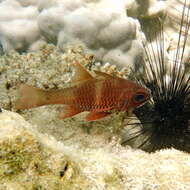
x,y
33,160
40,152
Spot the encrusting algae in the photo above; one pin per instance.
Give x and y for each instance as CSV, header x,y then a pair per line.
x,y
27,164
99,95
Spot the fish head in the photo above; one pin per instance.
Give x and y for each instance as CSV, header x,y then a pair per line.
x,y
139,97
134,96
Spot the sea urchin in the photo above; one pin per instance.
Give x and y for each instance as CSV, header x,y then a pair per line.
x,y
165,120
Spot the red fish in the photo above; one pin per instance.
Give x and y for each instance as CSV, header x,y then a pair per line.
x,y
100,95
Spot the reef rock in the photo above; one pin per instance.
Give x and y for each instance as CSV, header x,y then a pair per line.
x,y
29,159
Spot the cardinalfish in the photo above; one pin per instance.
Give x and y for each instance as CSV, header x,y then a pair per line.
x,y
100,95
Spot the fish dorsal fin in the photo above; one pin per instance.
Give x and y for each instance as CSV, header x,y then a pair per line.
x,y
102,74
81,73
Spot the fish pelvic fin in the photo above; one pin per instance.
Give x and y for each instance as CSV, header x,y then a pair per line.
x,y
68,111
29,97
92,116
80,73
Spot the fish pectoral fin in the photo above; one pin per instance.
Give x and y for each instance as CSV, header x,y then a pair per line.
x,y
80,74
92,116
68,111
102,74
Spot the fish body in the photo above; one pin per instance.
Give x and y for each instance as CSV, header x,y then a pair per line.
x,y
99,95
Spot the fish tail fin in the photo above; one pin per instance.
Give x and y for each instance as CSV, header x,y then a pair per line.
x,y
30,97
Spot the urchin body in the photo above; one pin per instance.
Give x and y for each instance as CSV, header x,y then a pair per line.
x,y
165,120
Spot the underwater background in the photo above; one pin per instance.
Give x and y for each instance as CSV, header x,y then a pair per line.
x,y
39,40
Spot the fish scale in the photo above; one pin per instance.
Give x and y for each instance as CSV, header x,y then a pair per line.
x,y
85,96
99,95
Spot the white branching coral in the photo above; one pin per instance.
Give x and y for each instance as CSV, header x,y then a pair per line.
x,y
146,8
102,27
18,25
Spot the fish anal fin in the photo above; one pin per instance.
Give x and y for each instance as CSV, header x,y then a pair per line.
x,y
102,74
92,116
68,111
80,73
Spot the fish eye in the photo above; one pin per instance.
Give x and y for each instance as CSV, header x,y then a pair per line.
x,y
139,97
